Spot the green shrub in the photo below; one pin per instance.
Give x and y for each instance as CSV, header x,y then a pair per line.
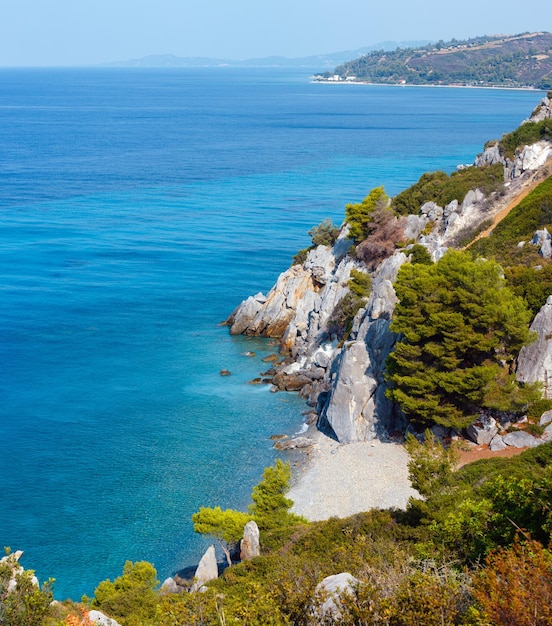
x,y
131,598
419,254
325,234
341,318
359,216
442,189
526,135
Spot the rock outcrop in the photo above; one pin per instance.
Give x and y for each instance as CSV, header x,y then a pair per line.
x,y
206,570
12,561
355,408
535,360
344,380
97,617
250,546
331,592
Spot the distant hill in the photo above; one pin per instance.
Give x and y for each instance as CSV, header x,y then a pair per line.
x,y
523,60
318,62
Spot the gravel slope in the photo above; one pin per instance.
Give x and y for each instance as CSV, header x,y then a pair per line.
x,y
341,480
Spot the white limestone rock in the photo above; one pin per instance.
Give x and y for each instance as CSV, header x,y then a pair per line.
x,y
547,434
331,590
535,360
543,240
490,156
99,618
483,430
545,418
206,570
543,111
521,439
250,546
356,408
169,586
497,444
530,158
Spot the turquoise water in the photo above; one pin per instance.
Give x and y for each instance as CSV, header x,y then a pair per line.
x,y
138,208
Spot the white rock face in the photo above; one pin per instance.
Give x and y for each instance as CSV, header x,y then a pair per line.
x,y
298,307
99,618
535,360
542,112
333,588
206,570
530,159
356,408
250,545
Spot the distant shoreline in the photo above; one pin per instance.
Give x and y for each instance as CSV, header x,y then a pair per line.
x,y
454,86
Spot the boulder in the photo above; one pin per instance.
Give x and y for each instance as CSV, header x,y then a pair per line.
x,y
330,593
547,434
292,444
497,444
99,618
545,418
530,158
250,546
521,439
535,360
169,586
206,570
482,430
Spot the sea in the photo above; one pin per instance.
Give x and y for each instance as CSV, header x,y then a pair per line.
x,y
138,208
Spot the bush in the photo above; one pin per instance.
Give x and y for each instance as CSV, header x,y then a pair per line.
x,y
439,188
383,231
325,234
526,135
360,216
131,598
515,586
341,318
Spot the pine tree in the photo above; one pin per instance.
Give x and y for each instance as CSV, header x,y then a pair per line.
x,y
461,328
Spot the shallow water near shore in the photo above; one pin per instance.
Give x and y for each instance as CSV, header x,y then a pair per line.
x,y
138,209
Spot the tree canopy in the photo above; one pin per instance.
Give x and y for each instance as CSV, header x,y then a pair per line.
x,y
359,216
460,330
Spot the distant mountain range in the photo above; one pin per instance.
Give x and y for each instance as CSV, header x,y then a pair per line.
x,y
523,60
319,62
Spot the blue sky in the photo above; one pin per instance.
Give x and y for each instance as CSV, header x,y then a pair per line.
x,y
84,32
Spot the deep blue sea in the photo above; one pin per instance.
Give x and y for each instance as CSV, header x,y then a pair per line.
x,y
138,208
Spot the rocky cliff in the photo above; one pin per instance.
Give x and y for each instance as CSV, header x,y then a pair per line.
x,y
343,380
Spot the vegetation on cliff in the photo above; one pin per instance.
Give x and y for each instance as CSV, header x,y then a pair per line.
x,y
510,61
460,330
441,188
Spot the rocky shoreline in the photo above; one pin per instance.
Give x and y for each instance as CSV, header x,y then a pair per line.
x,y
342,379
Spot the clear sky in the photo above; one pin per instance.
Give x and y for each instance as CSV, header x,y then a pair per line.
x,y
87,32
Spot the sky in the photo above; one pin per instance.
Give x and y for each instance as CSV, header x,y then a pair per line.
x,y
90,32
